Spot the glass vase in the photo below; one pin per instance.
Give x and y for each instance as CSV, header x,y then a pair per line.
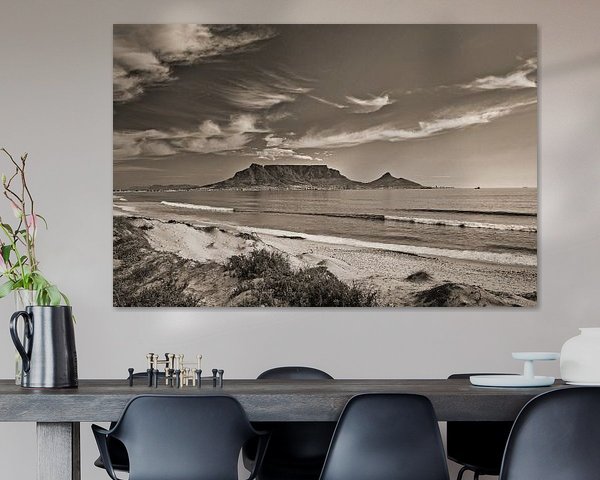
x,y
23,298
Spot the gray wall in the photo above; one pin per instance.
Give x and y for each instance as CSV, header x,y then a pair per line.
x,y
55,103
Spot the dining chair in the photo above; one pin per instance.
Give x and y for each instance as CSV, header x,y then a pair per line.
x,y
386,436
477,446
180,437
296,449
556,437
116,450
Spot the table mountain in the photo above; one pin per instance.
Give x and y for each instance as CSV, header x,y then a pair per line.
x,y
303,177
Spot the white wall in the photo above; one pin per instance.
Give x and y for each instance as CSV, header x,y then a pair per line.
x,y
55,103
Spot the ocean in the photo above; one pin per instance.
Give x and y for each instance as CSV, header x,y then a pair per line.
x,y
496,225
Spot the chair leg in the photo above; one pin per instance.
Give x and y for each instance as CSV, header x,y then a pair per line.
x,y
461,472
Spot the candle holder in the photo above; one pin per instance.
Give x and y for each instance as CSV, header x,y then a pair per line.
x,y
528,379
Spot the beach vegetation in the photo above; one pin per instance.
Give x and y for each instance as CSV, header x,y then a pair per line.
x,y
147,281
268,279
165,294
419,277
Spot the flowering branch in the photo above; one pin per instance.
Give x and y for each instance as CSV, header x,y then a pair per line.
x,y
20,270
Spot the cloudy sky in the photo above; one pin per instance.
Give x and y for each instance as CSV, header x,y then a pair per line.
x,y
451,105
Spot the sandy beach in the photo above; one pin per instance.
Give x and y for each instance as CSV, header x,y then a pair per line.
x,y
179,250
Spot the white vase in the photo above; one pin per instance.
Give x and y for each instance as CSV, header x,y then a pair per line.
x,y
580,358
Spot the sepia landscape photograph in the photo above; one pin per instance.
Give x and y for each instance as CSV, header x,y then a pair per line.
x,y
325,165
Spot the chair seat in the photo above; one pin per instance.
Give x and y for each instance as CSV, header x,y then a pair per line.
x,y
290,471
297,449
477,446
118,455
116,466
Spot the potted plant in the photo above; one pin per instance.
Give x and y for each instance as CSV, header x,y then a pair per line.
x,y
19,265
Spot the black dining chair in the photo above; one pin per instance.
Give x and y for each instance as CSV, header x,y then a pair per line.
x,y
384,437
180,437
477,446
116,450
556,437
296,449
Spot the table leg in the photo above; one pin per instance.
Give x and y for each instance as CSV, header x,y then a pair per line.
x,y
58,451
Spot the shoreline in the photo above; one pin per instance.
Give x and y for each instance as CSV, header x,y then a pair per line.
x,y
524,257
400,278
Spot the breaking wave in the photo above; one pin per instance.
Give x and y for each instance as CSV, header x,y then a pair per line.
x,y
462,223
193,206
420,220
475,212
377,217
492,257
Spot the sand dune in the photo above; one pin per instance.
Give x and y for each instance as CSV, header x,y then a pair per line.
x,y
401,279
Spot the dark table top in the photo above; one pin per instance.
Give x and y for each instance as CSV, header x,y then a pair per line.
x,y
264,400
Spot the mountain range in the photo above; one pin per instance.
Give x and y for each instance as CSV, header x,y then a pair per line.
x,y
304,177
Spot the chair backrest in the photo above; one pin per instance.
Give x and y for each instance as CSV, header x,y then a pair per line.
x,y
294,442
386,436
182,437
294,373
478,444
556,437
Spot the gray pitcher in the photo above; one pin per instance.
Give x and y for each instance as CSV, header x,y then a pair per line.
x,y
48,346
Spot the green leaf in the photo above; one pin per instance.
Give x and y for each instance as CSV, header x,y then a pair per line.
x,y
6,249
38,282
53,295
6,288
66,299
40,298
8,228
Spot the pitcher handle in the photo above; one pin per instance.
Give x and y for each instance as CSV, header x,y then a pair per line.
x,y
25,353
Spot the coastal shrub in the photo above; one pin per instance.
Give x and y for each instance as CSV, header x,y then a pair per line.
x,y
318,287
165,294
127,246
419,277
268,280
139,277
258,264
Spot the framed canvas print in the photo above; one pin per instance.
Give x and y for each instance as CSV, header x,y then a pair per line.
x,y
325,165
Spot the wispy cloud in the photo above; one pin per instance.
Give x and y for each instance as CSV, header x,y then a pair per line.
x,y
274,154
277,116
520,78
358,105
286,81
274,151
263,91
517,79
257,98
208,137
143,54
369,105
389,133
328,102
273,140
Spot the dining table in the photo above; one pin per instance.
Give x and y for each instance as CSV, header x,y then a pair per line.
x,y
59,412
